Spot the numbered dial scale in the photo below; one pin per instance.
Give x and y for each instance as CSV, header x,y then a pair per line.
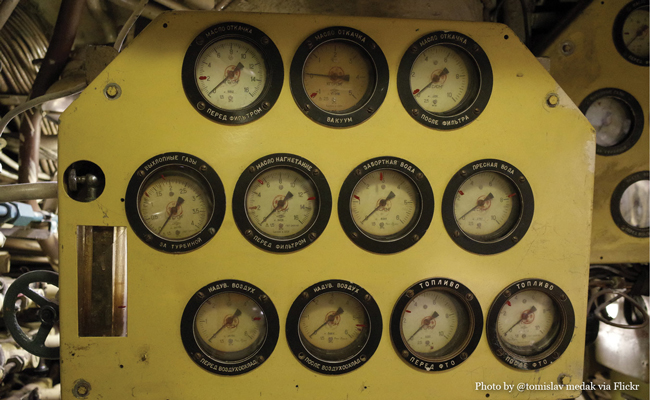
x,y
617,117
386,205
629,205
487,206
530,324
334,327
630,32
282,203
339,77
175,202
232,73
444,80
436,324
229,327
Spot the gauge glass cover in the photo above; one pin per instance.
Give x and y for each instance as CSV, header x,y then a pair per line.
x,y
435,325
635,32
528,323
612,120
334,326
487,206
443,80
385,204
231,74
175,203
230,326
635,204
282,203
339,76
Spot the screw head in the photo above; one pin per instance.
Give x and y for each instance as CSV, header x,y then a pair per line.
x,y
567,48
200,295
310,44
358,172
248,233
367,297
563,297
316,172
415,238
363,358
370,110
477,111
373,46
456,234
414,49
112,91
552,100
410,293
507,293
264,298
260,359
306,107
405,354
463,356
469,297
265,40
148,238
203,168
556,355
522,179
313,236
81,389
499,352
301,356
200,106
463,173
141,173
266,105
419,176
354,235
415,112
305,295
212,231
515,239
197,356
200,41
251,169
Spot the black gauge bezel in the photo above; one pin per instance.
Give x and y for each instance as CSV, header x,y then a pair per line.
x,y
274,73
474,108
633,106
417,178
527,207
615,207
307,169
199,168
617,32
564,336
209,363
364,111
464,296
311,361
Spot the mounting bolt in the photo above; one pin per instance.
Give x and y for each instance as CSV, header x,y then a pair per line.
x,y
141,174
415,238
567,48
112,91
81,389
456,233
370,110
313,236
212,231
507,293
301,356
310,44
477,111
264,298
469,297
556,355
552,100
200,106
410,293
248,233
563,379
419,176
367,297
515,239
306,107
522,179
563,297
203,168
260,359
463,173
266,105
405,354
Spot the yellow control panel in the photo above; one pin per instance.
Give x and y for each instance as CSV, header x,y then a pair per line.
x,y
327,207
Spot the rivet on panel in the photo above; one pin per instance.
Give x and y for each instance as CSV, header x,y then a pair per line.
x,y
81,389
552,100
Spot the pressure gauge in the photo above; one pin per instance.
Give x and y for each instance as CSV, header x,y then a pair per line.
x,y
617,118
386,205
232,73
339,77
487,206
334,327
175,202
630,32
229,327
282,203
530,324
630,204
444,80
436,324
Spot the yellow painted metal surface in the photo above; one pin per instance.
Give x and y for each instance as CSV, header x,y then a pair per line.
x,y
553,147
595,64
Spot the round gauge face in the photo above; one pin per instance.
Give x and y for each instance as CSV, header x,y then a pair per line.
x,y
487,206
230,74
175,203
528,323
612,120
635,204
385,204
434,325
334,326
635,32
338,76
442,80
282,203
230,326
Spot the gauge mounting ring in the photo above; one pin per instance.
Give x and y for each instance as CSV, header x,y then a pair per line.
x,y
465,347
305,168
363,111
354,361
273,80
615,203
237,367
559,345
477,59
422,220
633,106
199,170
617,33
527,207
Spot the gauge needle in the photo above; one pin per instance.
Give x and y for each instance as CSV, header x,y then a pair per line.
x,y
344,77
229,321
281,204
641,32
172,212
436,79
479,203
433,316
524,316
382,203
229,75
329,319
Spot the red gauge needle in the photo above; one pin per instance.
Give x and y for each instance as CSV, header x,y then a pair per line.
x,y
382,203
281,204
524,316
172,212
435,79
330,318
229,75
433,316
479,203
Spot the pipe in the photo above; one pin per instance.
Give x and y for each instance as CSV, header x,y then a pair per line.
x,y
174,5
6,8
99,14
28,191
150,11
